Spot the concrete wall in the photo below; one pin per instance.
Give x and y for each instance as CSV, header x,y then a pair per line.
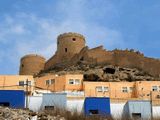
x,y
58,100
141,107
34,103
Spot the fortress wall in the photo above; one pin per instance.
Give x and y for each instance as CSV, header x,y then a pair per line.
x,y
99,55
151,66
52,61
126,58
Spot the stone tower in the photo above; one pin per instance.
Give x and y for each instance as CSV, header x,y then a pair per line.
x,y
69,44
31,64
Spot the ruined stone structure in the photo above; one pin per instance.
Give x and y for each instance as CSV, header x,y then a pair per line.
x,y
31,64
71,50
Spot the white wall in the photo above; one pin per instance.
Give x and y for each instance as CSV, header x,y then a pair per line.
x,y
35,103
75,105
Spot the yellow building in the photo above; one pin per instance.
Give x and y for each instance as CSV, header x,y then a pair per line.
x,y
123,90
58,83
17,82
75,83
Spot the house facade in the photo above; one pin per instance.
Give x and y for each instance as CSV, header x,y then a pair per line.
x,y
59,83
123,90
17,82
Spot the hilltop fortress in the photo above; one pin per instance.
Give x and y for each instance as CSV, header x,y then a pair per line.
x,y
72,51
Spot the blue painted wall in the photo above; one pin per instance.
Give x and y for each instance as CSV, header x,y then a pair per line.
x,y
15,98
97,103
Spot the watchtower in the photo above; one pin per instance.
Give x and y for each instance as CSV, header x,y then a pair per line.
x,y
31,64
69,44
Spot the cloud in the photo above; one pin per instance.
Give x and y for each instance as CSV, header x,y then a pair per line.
x,y
29,33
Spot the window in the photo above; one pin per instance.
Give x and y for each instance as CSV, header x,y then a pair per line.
x,y
154,88
106,89
74,39
99,89
52,81
21,83
102,89
77,81
131,89
47,82
124,89
22,65
65,49
71,81
74,81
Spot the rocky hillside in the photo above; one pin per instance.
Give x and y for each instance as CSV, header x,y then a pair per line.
x,y
102,73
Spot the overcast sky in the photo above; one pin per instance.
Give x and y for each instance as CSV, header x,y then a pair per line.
x,y
32,26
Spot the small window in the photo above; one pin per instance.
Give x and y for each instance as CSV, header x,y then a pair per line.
x,y
124,89
21,83
71,81
74,39
52,81
47,82
77,81
65,49
22,65
99,89
131,89
154,88
106,89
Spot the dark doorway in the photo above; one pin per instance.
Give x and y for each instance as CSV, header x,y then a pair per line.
x,y
49,107
5,104
136,116
93,112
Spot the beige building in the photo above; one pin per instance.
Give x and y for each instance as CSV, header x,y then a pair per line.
x,y
58,83
75,83
123,90
114,90
17,82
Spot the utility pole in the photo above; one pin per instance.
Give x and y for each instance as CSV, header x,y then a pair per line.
x,y
27,93
151,105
